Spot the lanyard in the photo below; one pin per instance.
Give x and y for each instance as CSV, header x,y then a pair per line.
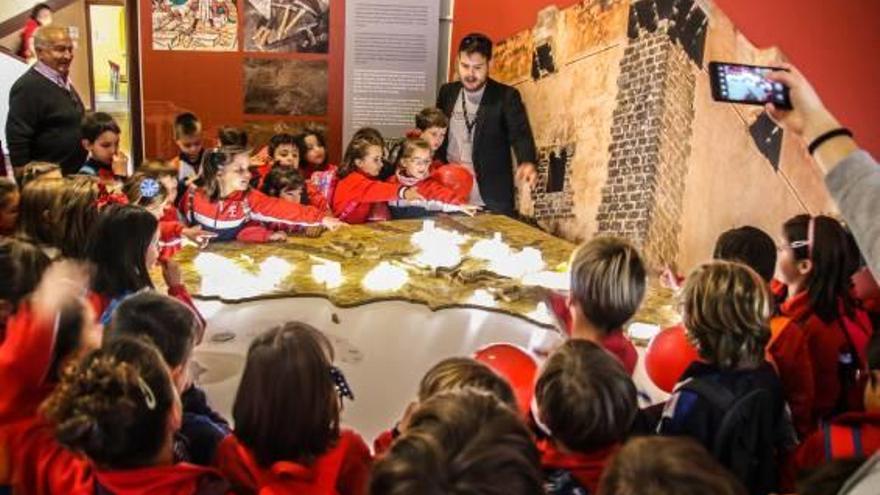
x,y
467,121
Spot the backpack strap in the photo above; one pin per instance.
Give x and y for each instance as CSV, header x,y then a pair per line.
x,y
718,396
839,445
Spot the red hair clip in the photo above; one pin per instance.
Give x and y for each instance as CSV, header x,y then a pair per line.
x,y
105,197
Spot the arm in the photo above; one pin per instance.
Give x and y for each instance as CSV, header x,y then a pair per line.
x,y
519,131
354,475
274,210
316,199
20,125
254,233
363,190
433,190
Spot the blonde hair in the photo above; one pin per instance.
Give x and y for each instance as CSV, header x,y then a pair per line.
x,y
357,149
608,281
726,308
409,147
459,372
34,170
40,200
137,187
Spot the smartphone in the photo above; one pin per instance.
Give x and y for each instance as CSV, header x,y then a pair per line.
x,y
746,84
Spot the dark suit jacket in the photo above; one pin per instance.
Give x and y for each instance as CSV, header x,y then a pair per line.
x,y
502,124
44,123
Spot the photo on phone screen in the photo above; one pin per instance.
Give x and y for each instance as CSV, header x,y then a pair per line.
x,y
747,84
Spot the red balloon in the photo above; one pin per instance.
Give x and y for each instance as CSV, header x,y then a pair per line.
x,y
668,355
517,366
457,178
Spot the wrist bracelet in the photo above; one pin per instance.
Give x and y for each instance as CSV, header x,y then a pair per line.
x,y
819,141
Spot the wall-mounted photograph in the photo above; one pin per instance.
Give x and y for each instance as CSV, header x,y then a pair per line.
x,y
285,87
195,25
301,26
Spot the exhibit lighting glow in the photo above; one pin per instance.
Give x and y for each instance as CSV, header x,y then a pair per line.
x,y
518,265
385,277
482,297
328,273
490,249
550,280
642,331
223,277
439,247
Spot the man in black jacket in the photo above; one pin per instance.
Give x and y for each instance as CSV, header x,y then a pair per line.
x,y
486,120
45,110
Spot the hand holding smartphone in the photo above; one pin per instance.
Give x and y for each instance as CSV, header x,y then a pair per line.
x,y
747,84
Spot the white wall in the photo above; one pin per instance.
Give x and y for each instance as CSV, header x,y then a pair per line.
x,y
10,70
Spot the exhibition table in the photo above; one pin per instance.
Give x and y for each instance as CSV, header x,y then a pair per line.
x,y
393,297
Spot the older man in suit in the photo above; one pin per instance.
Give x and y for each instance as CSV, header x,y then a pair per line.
x,y
486,120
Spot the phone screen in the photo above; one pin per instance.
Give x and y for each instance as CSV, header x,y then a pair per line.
x,y
747,84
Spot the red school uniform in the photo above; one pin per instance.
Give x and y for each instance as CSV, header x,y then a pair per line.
x,y
789,352
343,469
42,466
170,233
437,196
228,216
586,468
826,342
25,355
357,194
177,479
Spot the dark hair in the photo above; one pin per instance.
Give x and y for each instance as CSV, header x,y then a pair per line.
x,y
829,478
21,266
461,441
750,246
608,281
36,9
357,149
280,179
96,123
300,141
460,372
873,352
431,117
476,43
34,170
232,136
213,162
828,283
186,124
114,407
667,466
370,134
286,407
280,139
7,189
39,202
726,308
76,214
585,397
118,247
68,336
165,321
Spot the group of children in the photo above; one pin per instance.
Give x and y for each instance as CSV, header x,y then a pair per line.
x,y
96,395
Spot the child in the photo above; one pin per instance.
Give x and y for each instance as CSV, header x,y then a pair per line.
x,y
587,403
282,152
814,292
667,466
732,401
288,184
450,374
146,192
50,330
38,170
313,153
77,212
119,408
226,205
853,434
9,200
188,138
100,137
413,168
123,247
175,331
287,434
787,349
39,202
432,125
21,266
607,286
461,441
359,197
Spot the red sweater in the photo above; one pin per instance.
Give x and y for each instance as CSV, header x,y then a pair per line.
x,y
826,341
383,442
431,189
789,352
345,468
356,195
41,465
620,347
586,468
170,233
25,354
177,479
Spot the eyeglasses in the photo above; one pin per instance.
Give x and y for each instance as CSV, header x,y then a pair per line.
x,y
422,161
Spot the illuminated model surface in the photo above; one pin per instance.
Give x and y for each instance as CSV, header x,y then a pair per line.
x,y
394,297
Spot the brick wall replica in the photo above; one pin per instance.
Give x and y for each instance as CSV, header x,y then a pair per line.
x,y
653,158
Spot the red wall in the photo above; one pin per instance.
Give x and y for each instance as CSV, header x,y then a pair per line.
x,y
211,84
843,67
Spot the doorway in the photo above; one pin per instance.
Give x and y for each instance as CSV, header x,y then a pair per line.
x,y
109,64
